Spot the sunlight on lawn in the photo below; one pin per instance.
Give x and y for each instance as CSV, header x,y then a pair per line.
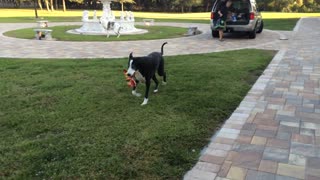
x,y
196,16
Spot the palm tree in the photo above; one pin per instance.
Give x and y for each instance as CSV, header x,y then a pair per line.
x,y
51,4
40,4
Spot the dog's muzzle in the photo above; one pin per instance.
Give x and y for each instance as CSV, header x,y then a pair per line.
x,y
130,74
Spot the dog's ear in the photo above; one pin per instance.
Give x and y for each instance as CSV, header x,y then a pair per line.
x,y
130,56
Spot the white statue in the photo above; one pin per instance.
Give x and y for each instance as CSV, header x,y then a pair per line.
x,y
112,18
127,16
131,16
104,23
117,29
85,15
107,22
95,15
122,16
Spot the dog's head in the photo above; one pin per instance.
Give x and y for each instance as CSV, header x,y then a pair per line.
x,y
132,68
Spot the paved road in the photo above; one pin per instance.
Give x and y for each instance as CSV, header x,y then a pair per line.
x,y
203,43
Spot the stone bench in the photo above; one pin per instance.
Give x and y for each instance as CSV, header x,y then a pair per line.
x,y
148,22
43,34
42,24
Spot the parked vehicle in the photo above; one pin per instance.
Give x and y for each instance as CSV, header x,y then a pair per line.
x,y
245,17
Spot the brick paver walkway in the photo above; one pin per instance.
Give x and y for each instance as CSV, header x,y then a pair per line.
x,y
275,131
203,43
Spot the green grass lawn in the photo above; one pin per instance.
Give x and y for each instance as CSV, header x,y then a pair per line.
x,y
59,33
154,32
77,119
272,24
280,24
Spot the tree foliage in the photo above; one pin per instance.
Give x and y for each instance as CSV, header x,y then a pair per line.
x,y
124,1
187,4
290,5
175,5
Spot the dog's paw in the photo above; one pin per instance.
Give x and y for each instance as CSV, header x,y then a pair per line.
x,y
164,83
145,102
136,94
155,91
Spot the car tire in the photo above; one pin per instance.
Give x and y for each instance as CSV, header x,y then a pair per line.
x,y
253,34
215,33
260,28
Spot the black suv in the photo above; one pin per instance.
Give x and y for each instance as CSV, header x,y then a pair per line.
x,y
245,17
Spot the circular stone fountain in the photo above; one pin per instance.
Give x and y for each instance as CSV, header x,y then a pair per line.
x,y
107,24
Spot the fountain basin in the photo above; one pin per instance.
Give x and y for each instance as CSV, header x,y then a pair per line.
x,y
94,27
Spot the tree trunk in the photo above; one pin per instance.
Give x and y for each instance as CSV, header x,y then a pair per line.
x,y
51,4
122,6
40,4
208,6
17,4
64,5
47,5
35,9
300,2
165,6
182,9
56,4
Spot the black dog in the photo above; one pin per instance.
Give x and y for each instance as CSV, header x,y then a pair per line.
x,y
144,69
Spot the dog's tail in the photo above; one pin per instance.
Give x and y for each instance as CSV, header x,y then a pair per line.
x,y
162,47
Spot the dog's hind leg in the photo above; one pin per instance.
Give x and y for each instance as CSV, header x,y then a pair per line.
x,y
164,82
164,76
161,71
157,83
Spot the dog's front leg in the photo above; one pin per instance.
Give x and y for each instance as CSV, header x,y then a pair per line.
x,y
145,101
134,90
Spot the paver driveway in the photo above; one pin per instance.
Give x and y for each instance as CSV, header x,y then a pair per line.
x,y
275,131
203,43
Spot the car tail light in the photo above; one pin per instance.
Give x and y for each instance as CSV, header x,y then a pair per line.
x,y
251,16
212,15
